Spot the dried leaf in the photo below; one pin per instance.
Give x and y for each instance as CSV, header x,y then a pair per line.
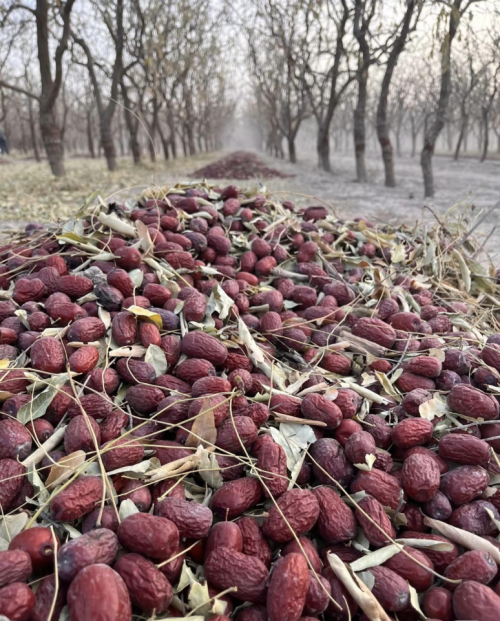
x,y
398,254
435,407
387,386
257,356
221,302
113,222
203,431
492,517
435,352
368,465
155,356
65,468
35,480
139,468
464,538
127,507
137,277
367,579
358,590
438,546
374,559
364,392
464,270
12,525
104,316
144,313
144,236
414,601
294,439
128,351
209,469
57,332
187,578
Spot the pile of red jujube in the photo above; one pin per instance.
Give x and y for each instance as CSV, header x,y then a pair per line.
x,y
157,362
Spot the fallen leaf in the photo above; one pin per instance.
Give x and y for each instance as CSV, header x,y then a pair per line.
x,y
203,431
65,468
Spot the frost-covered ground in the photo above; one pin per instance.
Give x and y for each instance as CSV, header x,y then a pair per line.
x,y
28,191
466,180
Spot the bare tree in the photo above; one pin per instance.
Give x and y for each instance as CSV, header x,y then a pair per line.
x,y
51,71
489,90
274,41
456,9
114,25
327,85
407,25
364,13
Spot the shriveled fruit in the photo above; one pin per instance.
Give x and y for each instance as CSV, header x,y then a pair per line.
x,y
16,601
225,568
301,510
15,566
336,521
148,588
405,566
150,535
288,588
193,520
97,546
473,600
95,585
77,499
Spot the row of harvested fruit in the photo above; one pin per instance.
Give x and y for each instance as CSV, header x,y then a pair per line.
x,y
157,366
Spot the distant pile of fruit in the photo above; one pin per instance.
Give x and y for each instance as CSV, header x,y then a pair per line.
x,y
239,165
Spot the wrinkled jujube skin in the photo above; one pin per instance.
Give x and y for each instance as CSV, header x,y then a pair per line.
x,y
221,359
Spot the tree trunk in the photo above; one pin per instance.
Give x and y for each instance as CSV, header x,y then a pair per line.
x,y
184,144
435,128
426,164
34,140
190,138
51,136
108,144
132,124
171,127
135,146
164,142
463,129
323,148
414,134
382,121
90,135
484,114
398,141
359,126
292,155
449,137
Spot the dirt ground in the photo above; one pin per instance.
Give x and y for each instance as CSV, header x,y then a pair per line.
x,y
29,193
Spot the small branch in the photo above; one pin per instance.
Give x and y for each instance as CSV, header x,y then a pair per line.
x,y
18,89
